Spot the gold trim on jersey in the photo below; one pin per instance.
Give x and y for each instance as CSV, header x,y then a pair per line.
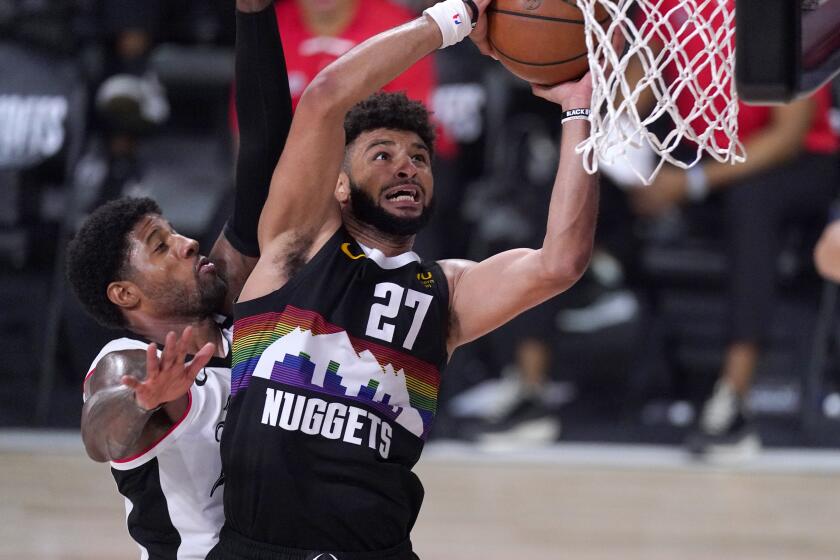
x,y
345,248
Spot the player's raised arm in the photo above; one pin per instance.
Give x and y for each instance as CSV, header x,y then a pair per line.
x,y
302,211
486,295
264,115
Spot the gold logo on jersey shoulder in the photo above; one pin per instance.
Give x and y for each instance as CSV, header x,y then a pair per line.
x,y
426,279
345,248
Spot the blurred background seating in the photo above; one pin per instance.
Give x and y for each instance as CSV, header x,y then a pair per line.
x,y
101,98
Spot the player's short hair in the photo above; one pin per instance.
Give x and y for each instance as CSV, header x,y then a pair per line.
x,y
394,111
98,255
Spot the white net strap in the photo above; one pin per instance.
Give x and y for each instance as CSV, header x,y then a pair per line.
x,y
690,80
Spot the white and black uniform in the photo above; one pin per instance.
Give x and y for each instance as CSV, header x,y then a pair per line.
x,y
173,489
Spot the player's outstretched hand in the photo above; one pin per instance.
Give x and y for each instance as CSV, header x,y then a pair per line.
x,y
569,95
168,377
479,34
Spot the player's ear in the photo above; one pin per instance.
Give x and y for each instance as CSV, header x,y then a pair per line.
x,y
123,294
342,188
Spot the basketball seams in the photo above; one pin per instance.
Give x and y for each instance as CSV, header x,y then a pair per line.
x,y
545,18
525,62
536,16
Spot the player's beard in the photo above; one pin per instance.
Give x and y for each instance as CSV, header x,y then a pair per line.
x,y
178,300
365,209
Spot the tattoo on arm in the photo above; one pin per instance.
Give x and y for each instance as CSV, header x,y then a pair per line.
x,y
113,425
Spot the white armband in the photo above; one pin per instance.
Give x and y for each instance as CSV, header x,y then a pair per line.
x,y
453,18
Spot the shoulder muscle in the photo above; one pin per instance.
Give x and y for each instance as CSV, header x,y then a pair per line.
x,y
112,367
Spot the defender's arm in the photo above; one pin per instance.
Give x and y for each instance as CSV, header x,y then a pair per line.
x,y
134,396
264,114
114,426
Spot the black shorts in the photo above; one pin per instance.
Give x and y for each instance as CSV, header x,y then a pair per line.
x,y
233,546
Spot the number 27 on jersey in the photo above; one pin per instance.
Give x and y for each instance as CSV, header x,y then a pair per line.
x,y
396,297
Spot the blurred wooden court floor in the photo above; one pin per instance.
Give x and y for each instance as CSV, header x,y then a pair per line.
x,y
575,502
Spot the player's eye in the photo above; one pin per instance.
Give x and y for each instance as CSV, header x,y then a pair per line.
x,y
381,156
161,247
420,157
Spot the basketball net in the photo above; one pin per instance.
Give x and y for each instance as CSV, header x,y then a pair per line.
x,y
681,59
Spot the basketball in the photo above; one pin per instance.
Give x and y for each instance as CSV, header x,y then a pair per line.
x,y
541,41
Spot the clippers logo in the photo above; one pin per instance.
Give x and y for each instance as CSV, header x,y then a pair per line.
x,y
532,4
457,19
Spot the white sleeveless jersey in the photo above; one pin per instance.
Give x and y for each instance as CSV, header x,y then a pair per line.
x,y
173,490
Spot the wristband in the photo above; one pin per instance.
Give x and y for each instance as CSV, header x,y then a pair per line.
x,y
581,114
696,184
473,12
451,16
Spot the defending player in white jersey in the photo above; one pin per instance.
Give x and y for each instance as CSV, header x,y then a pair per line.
x,y
155,400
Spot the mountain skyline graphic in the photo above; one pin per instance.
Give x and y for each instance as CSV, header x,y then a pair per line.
x,y
329,363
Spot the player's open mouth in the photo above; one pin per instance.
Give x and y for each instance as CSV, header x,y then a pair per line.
x,y
205,266
403,193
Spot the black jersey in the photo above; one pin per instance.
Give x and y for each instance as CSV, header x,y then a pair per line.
x,y
333,392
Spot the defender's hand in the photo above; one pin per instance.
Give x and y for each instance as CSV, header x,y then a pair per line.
x,y
168,377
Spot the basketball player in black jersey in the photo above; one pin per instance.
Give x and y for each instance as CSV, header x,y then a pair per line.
x,y
156,416
341,331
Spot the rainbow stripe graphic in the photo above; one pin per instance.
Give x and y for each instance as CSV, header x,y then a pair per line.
x,y
253,335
